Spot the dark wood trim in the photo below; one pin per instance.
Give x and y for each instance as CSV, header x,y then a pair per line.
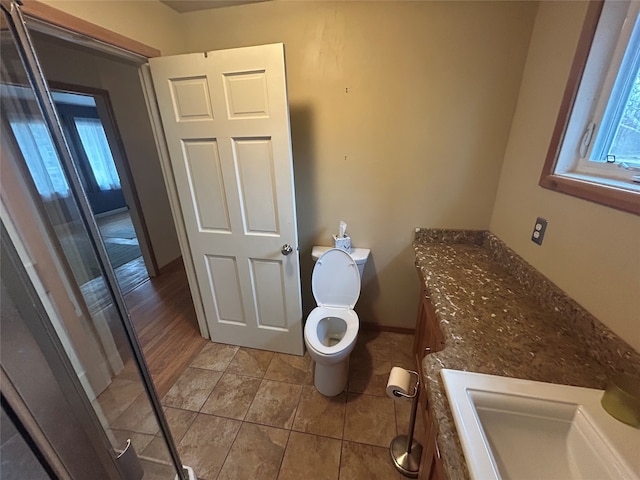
x,y
571,89
58,18
375,327
595,192
104,94
73,88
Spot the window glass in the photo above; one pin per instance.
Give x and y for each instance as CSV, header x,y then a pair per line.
x,y
34,141
94,141
618,138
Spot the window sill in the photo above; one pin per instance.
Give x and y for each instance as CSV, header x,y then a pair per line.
x,y
612,193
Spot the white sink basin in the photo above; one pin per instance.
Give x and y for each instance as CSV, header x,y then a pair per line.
x,y
520,429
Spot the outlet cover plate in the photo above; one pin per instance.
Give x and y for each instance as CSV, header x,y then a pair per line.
x,y
538,230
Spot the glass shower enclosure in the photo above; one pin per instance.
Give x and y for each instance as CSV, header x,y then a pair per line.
x,y
77,397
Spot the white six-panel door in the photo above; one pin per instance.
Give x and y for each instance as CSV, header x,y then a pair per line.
x,y
226,120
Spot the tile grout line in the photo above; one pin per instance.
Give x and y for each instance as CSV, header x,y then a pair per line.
x,y
344,420
290,430
230,446
284,451
212,389
241,421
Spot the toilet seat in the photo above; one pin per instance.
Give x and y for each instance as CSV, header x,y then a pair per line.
x,y
336,287
350,318
335,280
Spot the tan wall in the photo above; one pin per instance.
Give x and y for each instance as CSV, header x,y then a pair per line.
x,y
417,141
150,22
73,65
432,90
589,251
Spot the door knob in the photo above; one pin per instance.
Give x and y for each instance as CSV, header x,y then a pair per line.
x,y
286,249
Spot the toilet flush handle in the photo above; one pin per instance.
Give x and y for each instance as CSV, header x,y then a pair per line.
x,y
286,249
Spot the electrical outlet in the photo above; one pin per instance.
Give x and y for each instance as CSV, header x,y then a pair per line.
x,y
538,230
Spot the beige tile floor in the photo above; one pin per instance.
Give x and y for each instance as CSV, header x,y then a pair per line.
x,y
239,413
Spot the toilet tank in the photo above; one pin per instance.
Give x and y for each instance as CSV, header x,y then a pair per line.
x,y
360,255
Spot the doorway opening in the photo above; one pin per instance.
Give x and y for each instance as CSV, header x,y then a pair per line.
x,y
93,154
161,308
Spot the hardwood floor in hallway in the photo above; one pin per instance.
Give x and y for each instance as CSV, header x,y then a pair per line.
x,y
165,321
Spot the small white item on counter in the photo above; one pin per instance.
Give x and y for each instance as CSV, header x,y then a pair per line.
x,y
341,240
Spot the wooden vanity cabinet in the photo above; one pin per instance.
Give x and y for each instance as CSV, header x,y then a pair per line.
x,y
428,336
428,339
430,464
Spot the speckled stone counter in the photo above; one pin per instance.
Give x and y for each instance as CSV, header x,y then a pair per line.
x,y
502,317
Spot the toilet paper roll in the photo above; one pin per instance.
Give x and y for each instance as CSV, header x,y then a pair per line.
x,y
400,380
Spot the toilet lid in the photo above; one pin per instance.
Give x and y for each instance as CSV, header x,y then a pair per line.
x,y
336,280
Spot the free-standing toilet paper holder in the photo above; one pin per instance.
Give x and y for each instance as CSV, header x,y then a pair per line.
x,y
405,451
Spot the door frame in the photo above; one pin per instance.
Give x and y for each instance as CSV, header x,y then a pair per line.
x,y
50,20
59,24
62,25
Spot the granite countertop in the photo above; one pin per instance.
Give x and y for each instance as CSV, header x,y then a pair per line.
x,y
502,317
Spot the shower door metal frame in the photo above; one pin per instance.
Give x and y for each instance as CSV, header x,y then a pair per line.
x,y
44,359
36,77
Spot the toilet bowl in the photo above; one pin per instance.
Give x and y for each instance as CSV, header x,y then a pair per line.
x,y
331,329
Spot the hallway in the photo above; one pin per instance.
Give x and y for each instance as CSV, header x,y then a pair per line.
x,y
123,250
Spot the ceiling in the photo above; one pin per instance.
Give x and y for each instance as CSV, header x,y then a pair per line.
x,y
183,6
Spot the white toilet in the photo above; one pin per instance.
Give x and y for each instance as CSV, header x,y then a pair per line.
x,y
332,327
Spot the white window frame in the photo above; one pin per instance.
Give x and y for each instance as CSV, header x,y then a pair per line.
x,y
625,66
601,49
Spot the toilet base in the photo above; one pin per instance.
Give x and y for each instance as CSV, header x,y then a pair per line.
x,y
331,380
